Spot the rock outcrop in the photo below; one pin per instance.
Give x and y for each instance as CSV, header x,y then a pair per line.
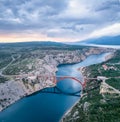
x,y
26,84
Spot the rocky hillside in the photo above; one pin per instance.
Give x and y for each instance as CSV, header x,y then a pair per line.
x,y
26,72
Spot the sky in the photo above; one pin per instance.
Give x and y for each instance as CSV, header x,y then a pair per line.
x,y
58,20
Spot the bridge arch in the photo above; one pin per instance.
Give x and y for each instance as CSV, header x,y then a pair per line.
x,y
58,79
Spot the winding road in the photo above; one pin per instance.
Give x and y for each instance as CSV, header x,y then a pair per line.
x,y
13,59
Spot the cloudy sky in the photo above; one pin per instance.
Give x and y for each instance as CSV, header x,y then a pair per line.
x,y
58,20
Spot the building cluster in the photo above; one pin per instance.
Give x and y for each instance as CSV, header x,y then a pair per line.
x,y
106,67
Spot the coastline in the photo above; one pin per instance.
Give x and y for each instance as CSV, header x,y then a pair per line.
x,y
82,71
35,92
27,95
69,110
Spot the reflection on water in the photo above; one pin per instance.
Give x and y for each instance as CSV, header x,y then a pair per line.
x,y
46,107
69,85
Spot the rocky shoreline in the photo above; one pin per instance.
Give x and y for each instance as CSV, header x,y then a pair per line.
x,y
82,71
13,90
67,112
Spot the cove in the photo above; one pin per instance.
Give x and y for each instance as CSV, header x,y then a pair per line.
x,y
48,107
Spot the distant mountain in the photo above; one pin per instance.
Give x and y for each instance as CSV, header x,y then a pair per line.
x,y
32,44
115,40
41,45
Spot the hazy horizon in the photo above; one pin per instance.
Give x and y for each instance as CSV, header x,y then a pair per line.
x,y
59,21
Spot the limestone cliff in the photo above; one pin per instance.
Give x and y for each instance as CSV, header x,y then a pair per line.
x,y
26,84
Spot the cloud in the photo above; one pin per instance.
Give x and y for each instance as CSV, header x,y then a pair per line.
x,y
70,20
111,30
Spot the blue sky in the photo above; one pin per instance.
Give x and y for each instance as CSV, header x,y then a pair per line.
x,y
58,20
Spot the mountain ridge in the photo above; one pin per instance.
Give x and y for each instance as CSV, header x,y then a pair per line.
x,y
106,40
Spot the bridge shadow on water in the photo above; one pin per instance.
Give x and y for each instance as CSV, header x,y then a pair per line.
x,y
56,90
66,85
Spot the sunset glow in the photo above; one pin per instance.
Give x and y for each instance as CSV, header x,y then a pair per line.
x,y
64,21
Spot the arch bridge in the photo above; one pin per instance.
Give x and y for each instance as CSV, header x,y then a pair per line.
x,y
60,78
57,79
57,90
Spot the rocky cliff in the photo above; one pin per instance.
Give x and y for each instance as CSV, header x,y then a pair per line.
x,y
24,84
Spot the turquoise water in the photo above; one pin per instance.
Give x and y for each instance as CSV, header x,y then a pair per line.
x,y
48,107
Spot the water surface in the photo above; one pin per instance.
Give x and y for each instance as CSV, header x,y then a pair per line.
x,y
48,107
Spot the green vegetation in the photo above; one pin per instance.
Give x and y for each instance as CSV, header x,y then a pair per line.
x,y
98,109
116,58
5,58
25,54
97,70
19,66
114,82
96,106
